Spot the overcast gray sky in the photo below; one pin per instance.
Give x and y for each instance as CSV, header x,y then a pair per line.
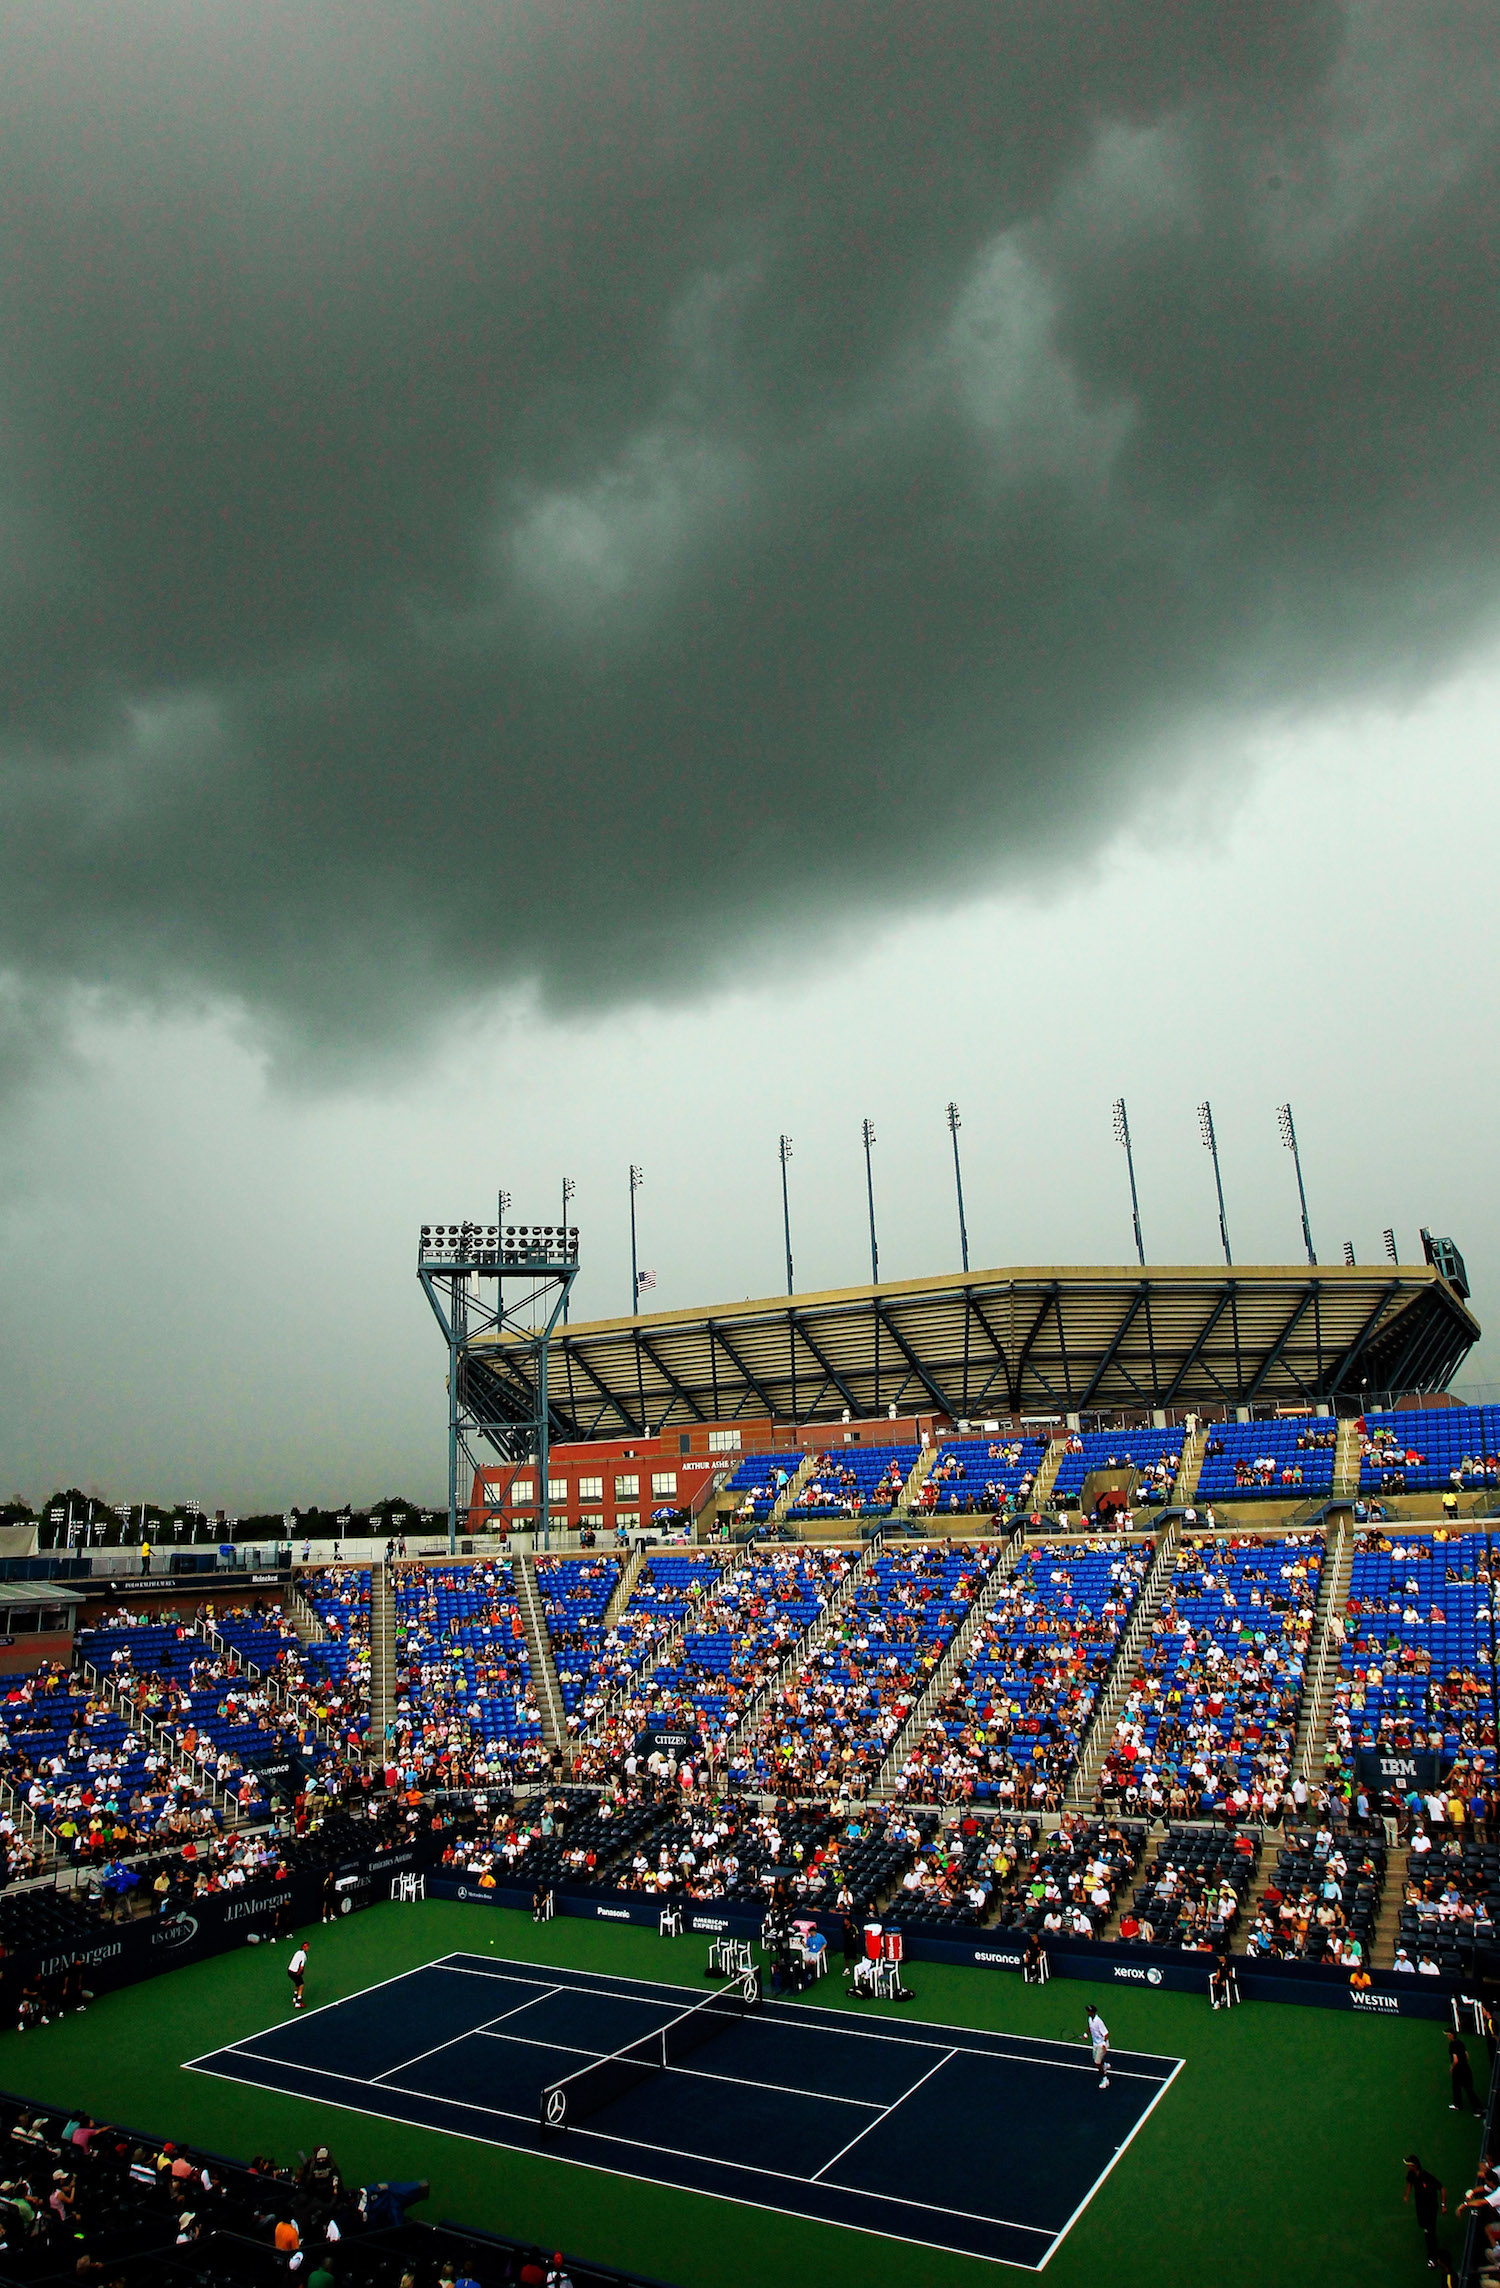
x,y
579,584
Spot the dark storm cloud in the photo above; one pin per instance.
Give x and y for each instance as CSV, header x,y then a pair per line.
x,y
530,493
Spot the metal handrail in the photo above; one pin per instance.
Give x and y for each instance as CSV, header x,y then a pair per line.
x,y
164,1738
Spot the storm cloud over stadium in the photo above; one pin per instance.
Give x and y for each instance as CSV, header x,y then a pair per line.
x,y
635,443
624,539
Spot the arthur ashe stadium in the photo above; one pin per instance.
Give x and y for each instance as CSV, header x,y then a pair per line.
x,y
973,1773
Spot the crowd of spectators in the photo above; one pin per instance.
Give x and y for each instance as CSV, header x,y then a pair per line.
x,y
853,1481
95,1783
709,1654
1010,1725
989,1476
1322,1901
1063,1884
829,1726
1414,1661
1150,1457
466,1713
1430,1449
1272,1459
1208,1724
85,2201
1194,1894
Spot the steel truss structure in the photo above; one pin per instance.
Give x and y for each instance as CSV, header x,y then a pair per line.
x,y
497,1292
1034,1342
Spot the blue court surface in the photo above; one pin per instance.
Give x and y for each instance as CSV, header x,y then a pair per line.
x,y
985,2144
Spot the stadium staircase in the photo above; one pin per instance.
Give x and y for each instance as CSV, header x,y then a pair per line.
x,y
752,1723
384,1690
1321,1674
794,1487
916,1478
266,1677
1346,1461
539,1650
163,1738
1120,1674
1046,1477
1189,1468
48,1847
666,1646
1388,1920
619,1596
302,1616
941,1679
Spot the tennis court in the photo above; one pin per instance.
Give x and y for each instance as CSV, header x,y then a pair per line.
x,y
986,2144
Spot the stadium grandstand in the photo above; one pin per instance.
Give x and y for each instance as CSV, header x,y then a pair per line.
x,y
1138,1642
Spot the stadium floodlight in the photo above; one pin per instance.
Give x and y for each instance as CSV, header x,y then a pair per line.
x,y
568,1189
1389,1236
636,1181
867,1131
1211,1145
954,1124
1289,1139
1122,1136
784,1150
1349,1253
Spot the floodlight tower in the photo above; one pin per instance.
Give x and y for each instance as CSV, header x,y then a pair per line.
x,y
954,1125
498,1340
568,1189
636,1181
1122,1136
785,1150
1289,1139
1211,1145
867,1131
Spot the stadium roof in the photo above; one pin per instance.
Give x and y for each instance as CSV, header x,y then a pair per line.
x,y
1036,1342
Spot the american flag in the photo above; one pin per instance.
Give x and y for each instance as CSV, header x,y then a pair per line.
x,y
643,1280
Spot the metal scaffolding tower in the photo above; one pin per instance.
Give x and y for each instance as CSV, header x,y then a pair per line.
x,y
497,1292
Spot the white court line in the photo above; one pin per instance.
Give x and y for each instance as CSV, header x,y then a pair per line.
x,y
676,2152
776,2013
884,2112
633,2176
1104,2172
791,2015
694,2073
530,2003
302,2016
1002,2049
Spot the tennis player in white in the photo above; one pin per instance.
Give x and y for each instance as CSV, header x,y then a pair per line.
x,y
1099,2044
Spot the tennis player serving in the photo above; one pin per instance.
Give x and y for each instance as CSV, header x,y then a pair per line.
x,y
1099,2044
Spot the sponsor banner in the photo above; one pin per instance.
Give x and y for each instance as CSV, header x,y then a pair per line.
x,y
669,1742
1397,1772
119,1954
1158,1970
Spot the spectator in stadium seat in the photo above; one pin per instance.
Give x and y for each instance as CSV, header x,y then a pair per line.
x,y
1482,2203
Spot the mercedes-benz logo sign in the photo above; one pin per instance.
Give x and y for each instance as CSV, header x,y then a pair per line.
x,y
557,2108
752,1986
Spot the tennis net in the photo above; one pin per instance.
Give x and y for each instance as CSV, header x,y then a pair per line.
x,y
599,2084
